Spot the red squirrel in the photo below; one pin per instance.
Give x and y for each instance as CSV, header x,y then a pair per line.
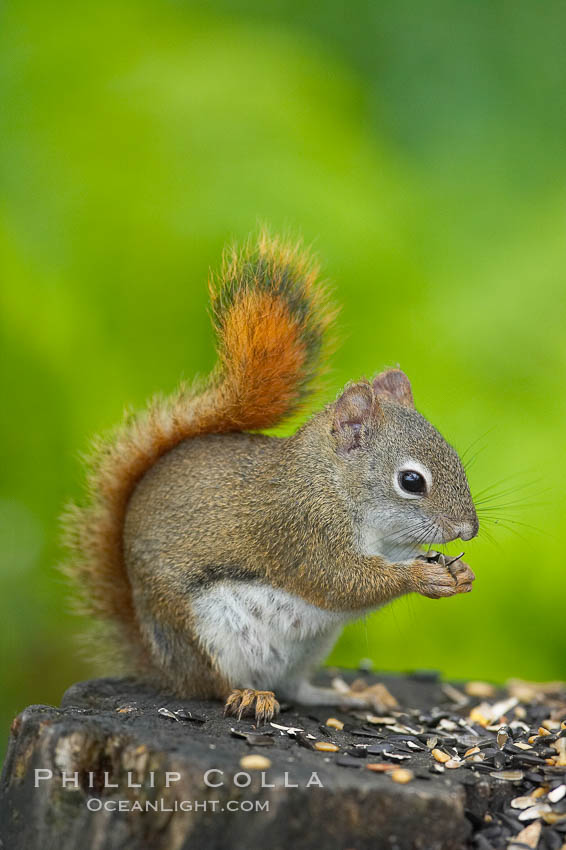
x,y
226,561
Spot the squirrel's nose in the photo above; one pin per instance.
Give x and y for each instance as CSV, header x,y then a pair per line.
x,y
467,530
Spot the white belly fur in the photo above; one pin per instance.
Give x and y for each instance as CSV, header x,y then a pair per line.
x,y
264,638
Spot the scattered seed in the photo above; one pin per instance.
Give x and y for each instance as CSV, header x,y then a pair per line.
x,y
522,802
476,716
185,714
326,747
447,725
400,730
528,837
534,812
402,775
553,817
379,721
487,713
255,762
488,741
483,690
539,792
507,775
290,730
527,758
519,726
557,794
258,739
551,725
454,694
164,712
305,741
357,751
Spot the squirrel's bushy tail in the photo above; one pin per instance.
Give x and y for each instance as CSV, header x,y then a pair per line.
x,y
270,314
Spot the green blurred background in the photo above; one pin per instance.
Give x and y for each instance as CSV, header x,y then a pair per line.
x,y
420,147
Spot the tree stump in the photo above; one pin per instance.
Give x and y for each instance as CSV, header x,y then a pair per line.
x,y
121,765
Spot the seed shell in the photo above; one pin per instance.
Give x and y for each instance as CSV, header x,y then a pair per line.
x,y
507,775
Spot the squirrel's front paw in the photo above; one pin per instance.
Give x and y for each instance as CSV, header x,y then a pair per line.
x,y
248,702
439,576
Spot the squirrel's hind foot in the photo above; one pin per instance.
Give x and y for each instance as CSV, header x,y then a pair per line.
x,y
249,702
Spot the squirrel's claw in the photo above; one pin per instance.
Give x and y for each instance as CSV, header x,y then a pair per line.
x,y
440,576
247,701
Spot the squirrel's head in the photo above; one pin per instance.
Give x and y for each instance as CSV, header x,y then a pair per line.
x,y
407,483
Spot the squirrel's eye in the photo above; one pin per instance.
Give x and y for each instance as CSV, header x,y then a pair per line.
x,y
412,482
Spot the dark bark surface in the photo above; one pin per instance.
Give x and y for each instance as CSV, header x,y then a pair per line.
x,y
110,740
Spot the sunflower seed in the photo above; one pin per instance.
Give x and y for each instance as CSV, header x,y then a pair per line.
x,y
290,730
534,812
259,739
556,794
522,802
185,714
164,712
507,775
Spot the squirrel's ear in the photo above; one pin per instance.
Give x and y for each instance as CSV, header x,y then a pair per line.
x,y
393,385
354,411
